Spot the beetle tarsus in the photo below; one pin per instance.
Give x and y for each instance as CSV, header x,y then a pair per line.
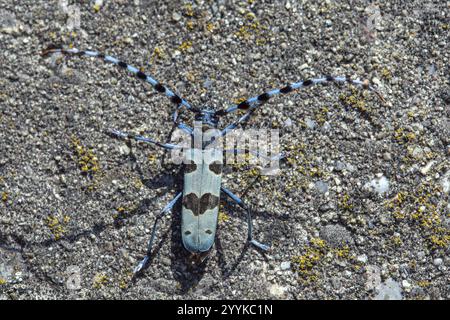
x,y
141,265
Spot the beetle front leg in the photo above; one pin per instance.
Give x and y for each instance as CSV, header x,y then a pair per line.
x,y
126,135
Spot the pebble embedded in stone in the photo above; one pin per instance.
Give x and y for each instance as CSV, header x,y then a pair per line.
x,y
389,290
379,185
285,265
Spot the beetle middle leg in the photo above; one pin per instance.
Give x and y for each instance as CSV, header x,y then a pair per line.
x,y
163,212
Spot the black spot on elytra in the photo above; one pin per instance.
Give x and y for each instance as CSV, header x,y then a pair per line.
x,y
198,206
101,56
307,82
286,89
216,167
190,167
348,78
122,64
330,78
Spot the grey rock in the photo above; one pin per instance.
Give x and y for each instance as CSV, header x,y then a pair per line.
x,y
285,265
389,290
336,235
321,186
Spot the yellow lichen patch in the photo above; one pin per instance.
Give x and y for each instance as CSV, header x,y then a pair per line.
x,y
191,76
124,280
223,217
317,172
138,184
250,16
57,227
305,263
2,281
100,280
319,243
403,136
189,10
419,206
355,100
123,284
96,7
253,29
152,158
121,209
345,202
321,115
158,53
342,253
440,241
87,160
190,25
396,241
210,27
5,196
239,100
185,45
423,283
386,73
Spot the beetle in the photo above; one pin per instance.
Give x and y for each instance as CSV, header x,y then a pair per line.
x,y
203,164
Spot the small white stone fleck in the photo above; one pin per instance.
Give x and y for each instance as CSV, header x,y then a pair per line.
x,y
285,265
446,182
437,261
176,16
277,291
379,185
427,168
311,124
361,258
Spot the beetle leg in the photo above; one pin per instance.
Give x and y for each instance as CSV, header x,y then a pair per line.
x,y
163,212
240,203
125,135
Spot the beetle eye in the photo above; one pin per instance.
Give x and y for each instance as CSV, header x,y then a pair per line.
x,y
187,232
208,231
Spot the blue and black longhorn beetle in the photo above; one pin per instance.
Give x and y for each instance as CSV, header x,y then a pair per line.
x,y
203,170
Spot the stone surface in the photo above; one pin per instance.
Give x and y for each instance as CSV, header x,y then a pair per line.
x,y
65,225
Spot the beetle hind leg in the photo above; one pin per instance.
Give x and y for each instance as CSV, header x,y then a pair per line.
x,y
240,203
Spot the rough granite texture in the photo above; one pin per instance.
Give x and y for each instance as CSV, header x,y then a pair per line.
x,y
360,209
